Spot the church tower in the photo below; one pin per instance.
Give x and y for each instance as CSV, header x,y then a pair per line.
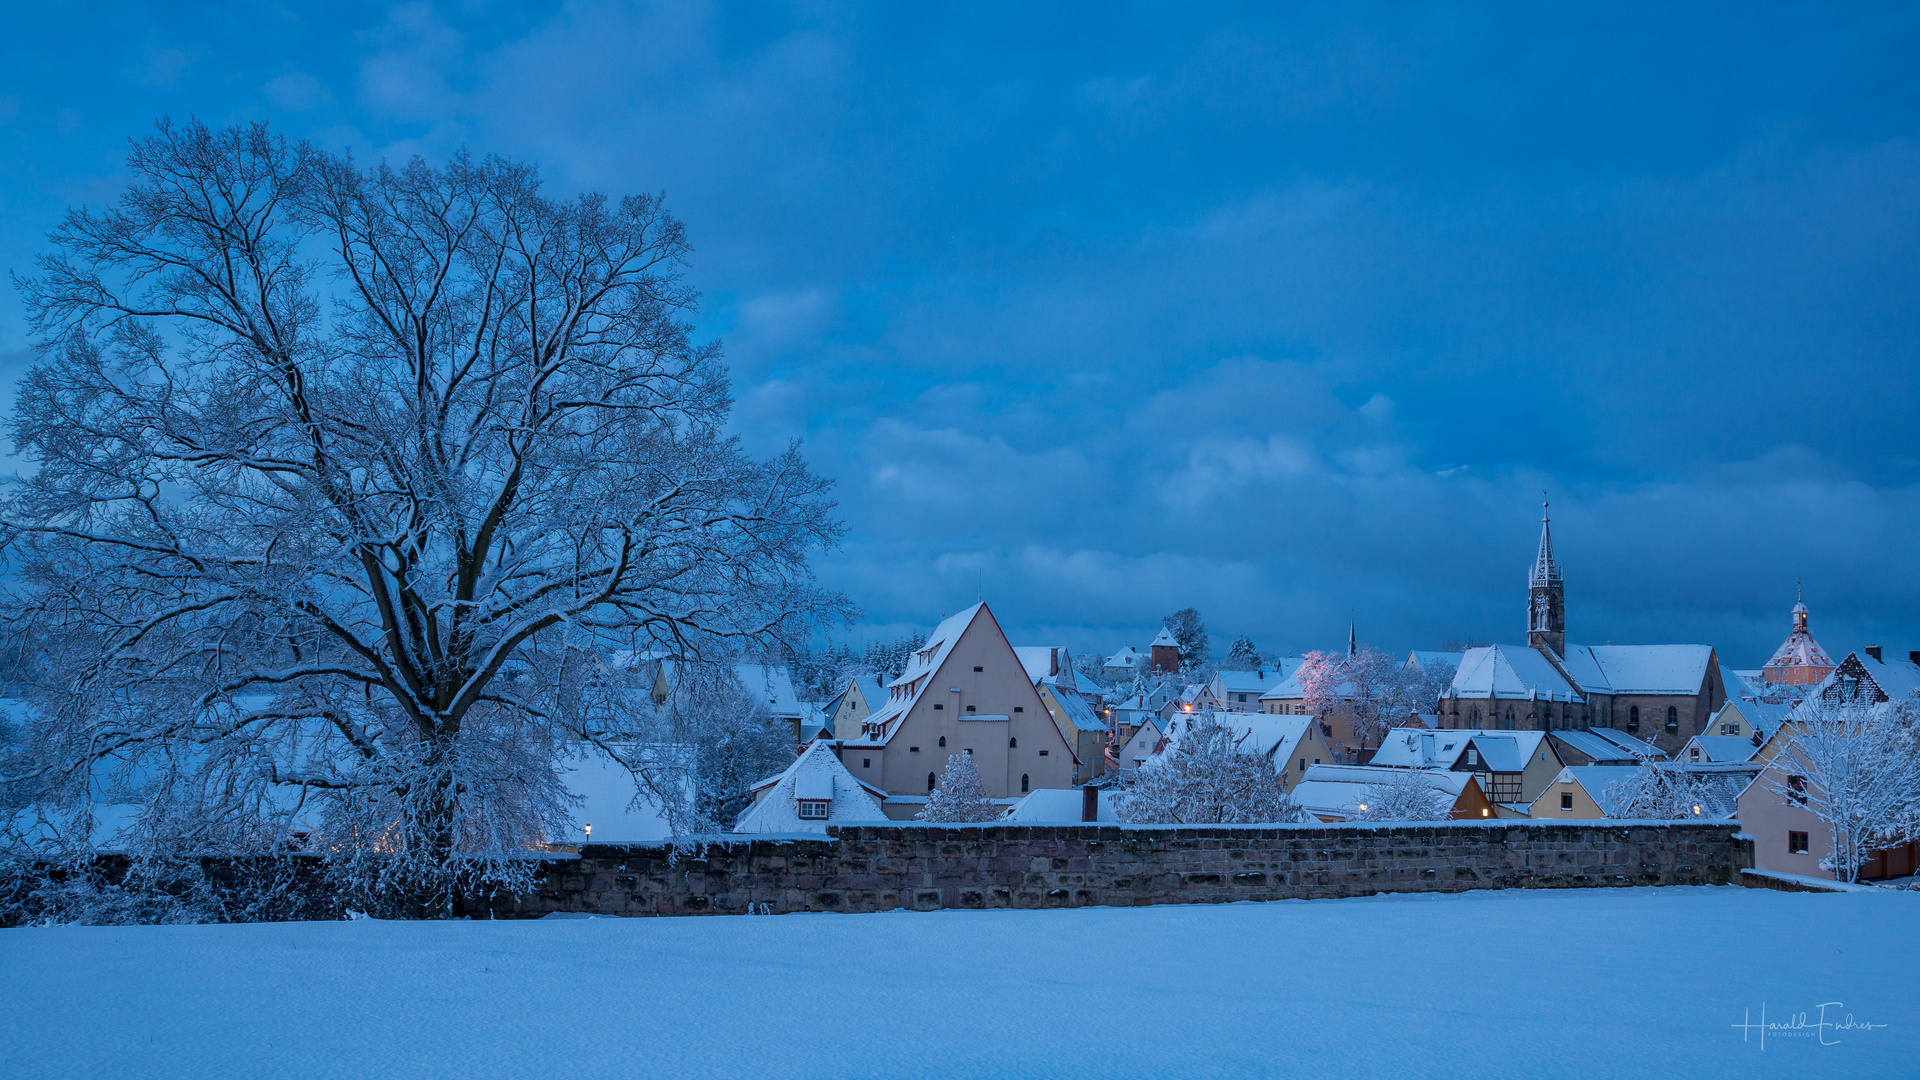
x,y
1546,597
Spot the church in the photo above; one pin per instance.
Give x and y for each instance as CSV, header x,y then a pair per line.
x,y
1662,694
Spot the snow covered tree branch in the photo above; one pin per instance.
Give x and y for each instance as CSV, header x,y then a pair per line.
x,y
960,796
1857,769
346,481
1205,778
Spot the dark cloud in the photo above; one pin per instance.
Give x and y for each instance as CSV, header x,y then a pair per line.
x,y
1290,317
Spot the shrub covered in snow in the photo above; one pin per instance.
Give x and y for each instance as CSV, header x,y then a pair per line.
x,y
960,796
1205,778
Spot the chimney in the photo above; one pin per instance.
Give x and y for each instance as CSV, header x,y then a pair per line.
x,y
1874,651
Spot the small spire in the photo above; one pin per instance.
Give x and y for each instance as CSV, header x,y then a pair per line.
x,y
1353,649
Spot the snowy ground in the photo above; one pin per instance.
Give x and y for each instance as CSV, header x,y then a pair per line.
x,y
1605,982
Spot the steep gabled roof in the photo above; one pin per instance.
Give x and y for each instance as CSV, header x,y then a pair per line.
x,y
815,774
1337,790
1719,748
1165,637
904,692
1500,751
1270,735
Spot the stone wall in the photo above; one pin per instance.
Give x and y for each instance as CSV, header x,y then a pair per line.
x,y
879,868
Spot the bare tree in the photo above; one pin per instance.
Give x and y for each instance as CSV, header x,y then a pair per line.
x,y
347,479
1206,778
1857,769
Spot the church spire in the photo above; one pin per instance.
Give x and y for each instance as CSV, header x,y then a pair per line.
x,y
1546,595
1544,570
1353,648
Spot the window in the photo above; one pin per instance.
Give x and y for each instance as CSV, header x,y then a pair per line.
x,y
977,667
1796,843
1799,786
938,706
943,740
866,763
913,749
1473,756
1566,800
969,751
932,779
1023,781
1018,708
970,708
1303,764
1673,718
1013,744
1694,753
1633,718
1043,753
814,809
1316,761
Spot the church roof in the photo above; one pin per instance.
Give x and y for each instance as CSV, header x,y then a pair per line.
x,y
1165,638
1510,671
1639,669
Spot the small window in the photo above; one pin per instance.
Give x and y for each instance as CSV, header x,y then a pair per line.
x,y
1796,843
1473,756
1013,744
866,763
1633,718
1018,708
1694,753
932,779
1673,718
937,706
913,749
1316,761
1043,753
813,809
1023,781
968,751
970,708
1303,764
1566,800
943,740
977,667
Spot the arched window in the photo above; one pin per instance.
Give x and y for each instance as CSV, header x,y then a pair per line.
x,y
1023,781
1673,718
1012,743
943,740
931,780
1633,718
1475,717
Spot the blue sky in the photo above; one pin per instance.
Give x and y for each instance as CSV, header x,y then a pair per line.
x,y
1110,310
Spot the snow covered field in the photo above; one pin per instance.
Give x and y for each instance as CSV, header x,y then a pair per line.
x,y
1605,983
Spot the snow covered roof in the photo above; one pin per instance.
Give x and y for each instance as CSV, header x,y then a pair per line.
x,y
1261,680
1897,678
1500,751
1719,748
610,800
1510,671
1422,659
1046,662
1165,637
1128,657
815,775
774,687
1270,735
1764,717
1639,669
1721,784
1338,790
1606,744
1077,709
1057,806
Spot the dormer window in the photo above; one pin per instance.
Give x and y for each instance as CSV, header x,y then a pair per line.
x,y
1473,756
813,809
